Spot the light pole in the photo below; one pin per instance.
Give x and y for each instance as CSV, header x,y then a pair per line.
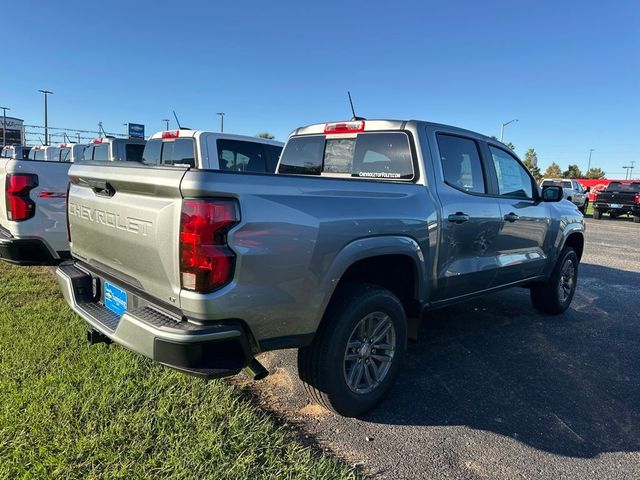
x,y
589,163
4,125
166,123
221,121
46,117
504,125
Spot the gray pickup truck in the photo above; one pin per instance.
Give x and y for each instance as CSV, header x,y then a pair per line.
x,y
366,223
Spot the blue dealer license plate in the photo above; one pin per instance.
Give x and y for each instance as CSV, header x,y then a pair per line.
x,y
115,298
615,205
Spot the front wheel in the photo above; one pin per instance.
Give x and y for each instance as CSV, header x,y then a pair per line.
x,y
355,356
584,207
554,296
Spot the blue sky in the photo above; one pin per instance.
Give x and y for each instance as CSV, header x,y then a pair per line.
x,y
569,71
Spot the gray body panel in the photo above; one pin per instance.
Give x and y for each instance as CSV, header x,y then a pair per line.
x,y
298,234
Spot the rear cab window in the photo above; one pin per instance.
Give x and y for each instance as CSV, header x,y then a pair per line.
x,y
366,155
36,154
179,151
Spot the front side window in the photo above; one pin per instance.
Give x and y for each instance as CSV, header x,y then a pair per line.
x,y
461,163
513,180
87,155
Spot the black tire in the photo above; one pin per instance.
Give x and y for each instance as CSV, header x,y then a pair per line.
x,y
584,207
323,366
613,215
546,297
596,214
636,219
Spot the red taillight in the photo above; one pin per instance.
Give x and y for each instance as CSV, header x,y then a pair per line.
x,y
637,199
206,262
19,205
171,134
344,127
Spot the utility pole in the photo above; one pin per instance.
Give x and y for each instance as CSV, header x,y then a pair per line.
x,y
626,175
46,117
504,125
166,123
78,133
633,163
4,125
589,163
221,121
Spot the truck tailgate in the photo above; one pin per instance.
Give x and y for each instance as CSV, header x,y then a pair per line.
x,y
124,221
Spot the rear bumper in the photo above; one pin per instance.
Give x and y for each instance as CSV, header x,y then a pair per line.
x,y
209,351
28,251
606,207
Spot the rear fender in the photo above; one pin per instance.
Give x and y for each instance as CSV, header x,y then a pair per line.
x,y
368,248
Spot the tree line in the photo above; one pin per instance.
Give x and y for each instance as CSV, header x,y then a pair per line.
x,y
554,170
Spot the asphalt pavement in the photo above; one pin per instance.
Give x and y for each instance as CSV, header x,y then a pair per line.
x,y
494,390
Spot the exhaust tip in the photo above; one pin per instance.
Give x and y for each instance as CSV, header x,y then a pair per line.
x,y
255,370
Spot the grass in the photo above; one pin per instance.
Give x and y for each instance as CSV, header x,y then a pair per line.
x,y
68,410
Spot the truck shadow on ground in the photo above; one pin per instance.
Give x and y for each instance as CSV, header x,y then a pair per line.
x,y
569,385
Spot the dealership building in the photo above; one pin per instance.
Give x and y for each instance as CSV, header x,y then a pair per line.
x,y
12,130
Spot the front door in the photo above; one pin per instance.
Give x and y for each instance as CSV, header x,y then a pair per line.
x,y
522,251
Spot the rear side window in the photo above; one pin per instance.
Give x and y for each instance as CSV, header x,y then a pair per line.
x,y
274,154
239,156
6,153
151,153
461,163
368,155
133,152
101,153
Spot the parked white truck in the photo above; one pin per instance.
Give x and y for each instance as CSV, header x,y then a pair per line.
x,y
33,220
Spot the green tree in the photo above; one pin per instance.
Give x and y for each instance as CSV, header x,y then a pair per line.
x,y
511,146
595,173
553,171
266,135
531,162
572,172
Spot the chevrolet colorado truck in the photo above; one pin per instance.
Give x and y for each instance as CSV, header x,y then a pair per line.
x,y
367,223
33,220
618,199
15,152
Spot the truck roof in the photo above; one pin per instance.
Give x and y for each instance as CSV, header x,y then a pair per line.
x,y
188,133
377,125
100,140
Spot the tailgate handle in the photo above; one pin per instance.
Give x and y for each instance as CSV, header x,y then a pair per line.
x,y
102,188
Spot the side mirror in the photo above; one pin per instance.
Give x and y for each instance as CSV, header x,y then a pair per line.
x,y
551,194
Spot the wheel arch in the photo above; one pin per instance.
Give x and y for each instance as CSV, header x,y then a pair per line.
x,y
393,262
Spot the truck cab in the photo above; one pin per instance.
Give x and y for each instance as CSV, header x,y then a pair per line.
x,y
572,191
45,153
212,151
111,149
71,152
15,152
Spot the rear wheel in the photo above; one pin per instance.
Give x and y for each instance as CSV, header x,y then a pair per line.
x,y
554,296
356,353
596,214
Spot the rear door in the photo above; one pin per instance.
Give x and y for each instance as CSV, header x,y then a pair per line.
x,y
471,220
124,220
521,243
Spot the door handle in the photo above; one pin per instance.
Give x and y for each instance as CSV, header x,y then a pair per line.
x,y
511,217
458,217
